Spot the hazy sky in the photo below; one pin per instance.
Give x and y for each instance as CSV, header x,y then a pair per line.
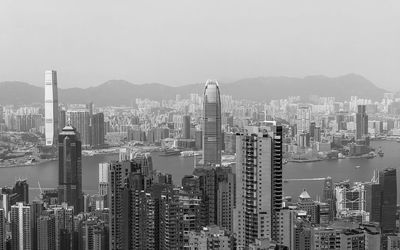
x,y
180,42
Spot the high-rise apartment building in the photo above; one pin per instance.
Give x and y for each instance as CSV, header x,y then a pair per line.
x,y
46,232
225,197
51,107
258,184
212,134
131,210
179,214
103,178
361,122
21,230
64,226
70,168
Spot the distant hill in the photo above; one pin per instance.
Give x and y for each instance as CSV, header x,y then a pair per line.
x,y
120,92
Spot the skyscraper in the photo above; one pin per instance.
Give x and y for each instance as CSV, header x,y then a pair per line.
x,y
303,119
128,181
103,178
388,182
21,227
212,135
97,130
186,127
36,211
80,119
46,232
328,196
51,107
258,184
2,229
361,122
70,168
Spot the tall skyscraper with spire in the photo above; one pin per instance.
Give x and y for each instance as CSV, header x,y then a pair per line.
x,y
51,107
70,168
212,135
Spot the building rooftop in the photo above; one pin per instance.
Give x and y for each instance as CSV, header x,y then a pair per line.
x,y
304,195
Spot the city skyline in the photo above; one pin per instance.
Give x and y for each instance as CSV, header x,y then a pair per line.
x,y
265,38
292,143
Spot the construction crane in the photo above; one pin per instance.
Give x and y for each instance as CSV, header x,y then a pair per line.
x,y
41,191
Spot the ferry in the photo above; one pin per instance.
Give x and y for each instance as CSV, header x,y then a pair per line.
x,y
170,152
380,152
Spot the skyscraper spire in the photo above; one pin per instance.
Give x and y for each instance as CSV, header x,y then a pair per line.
x,y
212,135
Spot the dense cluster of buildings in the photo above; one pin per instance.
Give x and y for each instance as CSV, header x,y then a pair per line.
x,y
219,206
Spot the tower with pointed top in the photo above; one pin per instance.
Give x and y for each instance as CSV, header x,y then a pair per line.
x,y
70,168
212,135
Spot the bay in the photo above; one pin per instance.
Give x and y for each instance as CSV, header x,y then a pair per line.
x,y
47,173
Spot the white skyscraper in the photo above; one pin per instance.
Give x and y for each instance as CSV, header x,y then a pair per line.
x,y
51,107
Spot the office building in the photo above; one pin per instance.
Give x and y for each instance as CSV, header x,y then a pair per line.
x,y
303,119
70,168
307,204
212,134
186,127
51,107
373,201
21,230
80,120
62,119
328,196
388,182
258,184
36,211
361,122
97,130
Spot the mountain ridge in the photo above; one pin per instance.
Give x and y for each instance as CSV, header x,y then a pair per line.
x,y
122,92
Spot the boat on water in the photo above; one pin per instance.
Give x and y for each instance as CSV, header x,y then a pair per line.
x,y
380,152
170,152
357,166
